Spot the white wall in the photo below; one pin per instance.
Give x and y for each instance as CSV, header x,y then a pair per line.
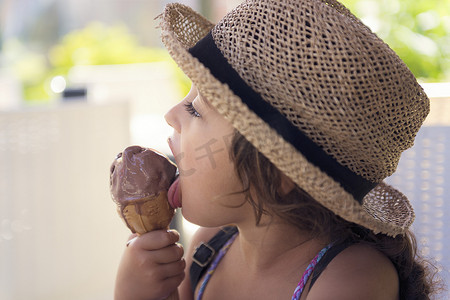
x,y
60,237
10,90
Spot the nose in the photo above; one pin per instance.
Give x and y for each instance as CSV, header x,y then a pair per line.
x,y
171,118
175,115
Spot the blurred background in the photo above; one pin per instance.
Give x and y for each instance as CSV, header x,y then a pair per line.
x,y
80,80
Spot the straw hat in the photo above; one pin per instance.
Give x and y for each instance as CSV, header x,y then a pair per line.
x,y
315,91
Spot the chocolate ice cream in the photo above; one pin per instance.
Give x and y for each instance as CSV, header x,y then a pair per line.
x,y
139,181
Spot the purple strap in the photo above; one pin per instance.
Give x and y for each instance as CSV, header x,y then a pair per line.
x,y
214,264
299,289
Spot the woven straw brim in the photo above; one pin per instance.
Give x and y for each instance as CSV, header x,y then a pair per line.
x,y
384,209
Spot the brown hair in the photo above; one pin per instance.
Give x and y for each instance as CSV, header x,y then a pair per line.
x,y
418,278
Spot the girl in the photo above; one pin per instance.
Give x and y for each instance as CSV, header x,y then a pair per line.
x,y
296,115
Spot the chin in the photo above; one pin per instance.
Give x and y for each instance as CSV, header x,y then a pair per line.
x,y
203,221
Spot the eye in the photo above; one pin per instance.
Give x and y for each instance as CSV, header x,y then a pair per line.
x,y
191,110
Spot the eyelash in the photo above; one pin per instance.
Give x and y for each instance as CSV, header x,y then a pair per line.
x,y
191,110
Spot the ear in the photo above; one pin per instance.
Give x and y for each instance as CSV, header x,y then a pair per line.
x,y
287,185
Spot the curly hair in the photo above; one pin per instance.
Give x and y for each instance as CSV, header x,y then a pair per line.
x,y
418,278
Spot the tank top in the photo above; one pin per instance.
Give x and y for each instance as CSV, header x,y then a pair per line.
x,y
206,260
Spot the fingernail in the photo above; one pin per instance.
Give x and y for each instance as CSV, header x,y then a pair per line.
x,y
131,241
173,232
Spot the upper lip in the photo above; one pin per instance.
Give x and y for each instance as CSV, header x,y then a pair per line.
x,y
170,143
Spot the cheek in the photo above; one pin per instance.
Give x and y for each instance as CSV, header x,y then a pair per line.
x,y
207,176
212,205
186,158
203,153
208,180
210,196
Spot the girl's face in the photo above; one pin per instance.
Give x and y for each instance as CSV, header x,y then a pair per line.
x,y
200,144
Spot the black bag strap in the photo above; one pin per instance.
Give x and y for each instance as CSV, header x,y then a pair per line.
x,y
205,252
327,258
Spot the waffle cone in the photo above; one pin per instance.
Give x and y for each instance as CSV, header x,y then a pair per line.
x,y
147,214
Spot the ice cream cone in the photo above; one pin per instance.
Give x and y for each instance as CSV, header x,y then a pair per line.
x,y
139,181
147,214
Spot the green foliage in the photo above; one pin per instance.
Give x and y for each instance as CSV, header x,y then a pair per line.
x,y
29,67
100,45
96,44
418,31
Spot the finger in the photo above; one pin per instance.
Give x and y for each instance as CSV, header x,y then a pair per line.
x,y
172,269
169,254
132,236
131,241
157,239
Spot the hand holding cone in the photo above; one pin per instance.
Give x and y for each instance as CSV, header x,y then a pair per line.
x,y
139,181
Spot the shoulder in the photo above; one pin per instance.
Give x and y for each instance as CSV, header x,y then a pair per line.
x,y
358,272
202,234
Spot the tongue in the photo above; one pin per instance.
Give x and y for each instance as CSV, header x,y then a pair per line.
x,y
174,194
